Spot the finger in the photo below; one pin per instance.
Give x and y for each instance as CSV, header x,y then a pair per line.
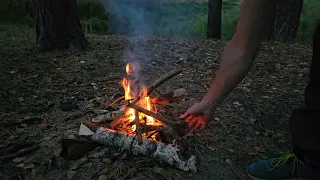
x,y
185,115
195,128
203,126
189,119
193,123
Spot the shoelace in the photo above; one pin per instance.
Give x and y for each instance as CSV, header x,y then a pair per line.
x,y
281,161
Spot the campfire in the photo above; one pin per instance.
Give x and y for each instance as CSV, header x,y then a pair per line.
x,y
136,125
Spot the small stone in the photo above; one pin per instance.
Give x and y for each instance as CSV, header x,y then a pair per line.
x,y
229,161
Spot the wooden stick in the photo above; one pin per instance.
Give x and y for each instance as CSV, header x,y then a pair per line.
x,y
168,97
156,116
19,153
118,118
163,79
115,101
138,128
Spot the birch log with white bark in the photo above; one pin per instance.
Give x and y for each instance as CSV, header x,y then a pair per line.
x,y
164,152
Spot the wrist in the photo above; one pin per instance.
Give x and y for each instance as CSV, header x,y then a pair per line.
x,y
209,103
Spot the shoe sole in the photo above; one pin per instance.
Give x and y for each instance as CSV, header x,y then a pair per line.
x,y
255,178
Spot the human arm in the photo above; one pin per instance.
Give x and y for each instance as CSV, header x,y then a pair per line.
x,y
236,59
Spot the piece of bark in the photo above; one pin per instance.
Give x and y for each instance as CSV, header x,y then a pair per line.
x,y
168,97
154,149
163,79
156,116
20,153
75,149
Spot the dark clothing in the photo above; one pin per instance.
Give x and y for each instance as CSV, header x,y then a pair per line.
x,y
305,122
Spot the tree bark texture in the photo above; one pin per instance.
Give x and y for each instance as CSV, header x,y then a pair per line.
x,y
286,20
214,19
164,152
58,25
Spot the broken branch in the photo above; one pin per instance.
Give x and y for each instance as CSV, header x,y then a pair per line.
x,y
163,79
19,153
156,116
169,97
115,101
138,128
118,118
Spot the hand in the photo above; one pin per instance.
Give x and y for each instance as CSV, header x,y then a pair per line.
x,y
198,116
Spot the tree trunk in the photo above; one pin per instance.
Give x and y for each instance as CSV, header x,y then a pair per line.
x,y
58,25
214,19
286,20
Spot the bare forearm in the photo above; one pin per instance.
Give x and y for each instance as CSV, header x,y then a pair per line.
x,y
241,51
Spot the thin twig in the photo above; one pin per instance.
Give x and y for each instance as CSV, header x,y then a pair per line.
x,y
19,153
156,116
115,101
163,79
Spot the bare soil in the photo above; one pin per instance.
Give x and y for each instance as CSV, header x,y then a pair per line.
x,y
251,124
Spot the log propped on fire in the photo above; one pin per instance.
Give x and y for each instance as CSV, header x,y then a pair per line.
x,y
164,152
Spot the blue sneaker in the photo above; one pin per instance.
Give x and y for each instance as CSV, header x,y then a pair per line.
x,y
286,167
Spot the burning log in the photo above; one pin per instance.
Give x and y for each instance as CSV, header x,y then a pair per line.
x,y
156,116
163,79
154,149
138,128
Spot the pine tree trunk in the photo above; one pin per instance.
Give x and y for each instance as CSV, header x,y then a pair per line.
x,y
286,20
214,19
58,25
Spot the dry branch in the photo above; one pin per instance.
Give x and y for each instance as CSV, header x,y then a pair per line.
x,y
118,118
156,116
168,97
113,102
154,149
19,153
138,128
163,79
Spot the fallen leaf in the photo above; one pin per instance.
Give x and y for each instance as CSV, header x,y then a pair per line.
x,y
81,62
259,149
104,170
103,177
44,125
18,159
211,148
229,161
71,174
236,103
252,120
158,170
107,160
230,150
217,119
71,136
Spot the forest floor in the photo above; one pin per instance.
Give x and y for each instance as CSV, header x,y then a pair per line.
x,y
60,89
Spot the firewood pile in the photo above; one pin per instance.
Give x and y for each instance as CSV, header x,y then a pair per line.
x,y
132,123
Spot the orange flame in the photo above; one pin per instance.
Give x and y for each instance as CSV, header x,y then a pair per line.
x,y
144,101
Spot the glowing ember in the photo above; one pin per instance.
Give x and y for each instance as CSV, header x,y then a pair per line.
x,y
144,101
